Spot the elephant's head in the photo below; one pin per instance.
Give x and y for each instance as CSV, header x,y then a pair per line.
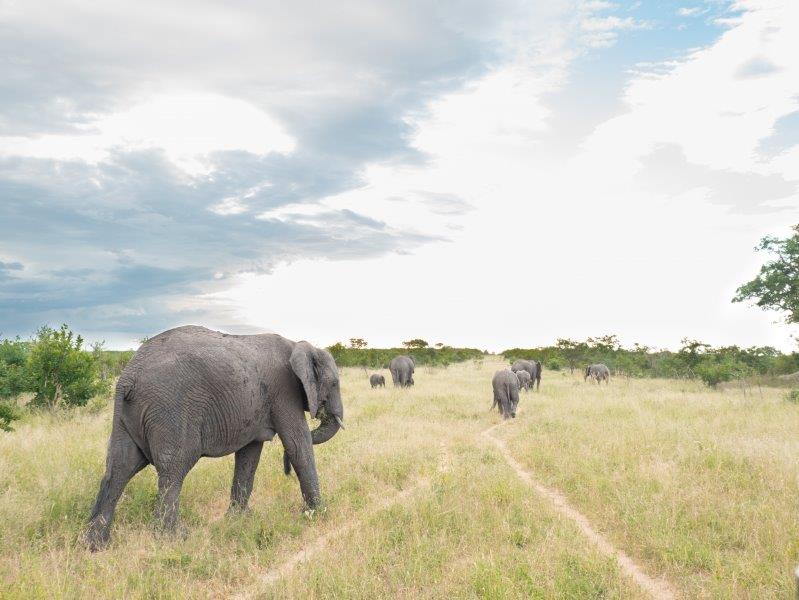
x,y
318,373
587,373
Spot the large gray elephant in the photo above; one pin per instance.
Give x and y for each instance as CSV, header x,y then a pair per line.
x,y
533,367
599,372
525,381
376,380
192,392
506,393
402,368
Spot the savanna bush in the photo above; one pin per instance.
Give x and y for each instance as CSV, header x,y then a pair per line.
x,y
8,414
13,377
693,360
715,370
378,358
60,371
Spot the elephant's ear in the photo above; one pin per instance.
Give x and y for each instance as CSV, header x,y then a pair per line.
x,y
302,363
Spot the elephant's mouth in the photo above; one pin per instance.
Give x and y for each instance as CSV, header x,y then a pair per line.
x,y
329,425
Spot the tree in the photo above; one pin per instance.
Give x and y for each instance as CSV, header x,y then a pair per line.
x,y
60,371
415,343
571,351
691,353
776,287
358,343
13,355
605,342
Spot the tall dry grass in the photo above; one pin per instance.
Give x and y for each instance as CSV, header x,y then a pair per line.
x,y
701,485
698,484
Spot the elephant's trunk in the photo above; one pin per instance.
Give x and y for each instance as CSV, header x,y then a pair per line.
x,y
328,426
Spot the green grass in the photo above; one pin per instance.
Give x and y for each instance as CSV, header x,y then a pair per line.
x,y
695,484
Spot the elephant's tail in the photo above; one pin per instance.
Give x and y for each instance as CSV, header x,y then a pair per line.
x,y
286,463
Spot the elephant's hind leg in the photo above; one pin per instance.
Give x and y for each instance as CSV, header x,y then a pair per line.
x,y
124,460
247,459
170,482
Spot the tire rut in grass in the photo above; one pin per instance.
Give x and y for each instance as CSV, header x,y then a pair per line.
x,y
657,588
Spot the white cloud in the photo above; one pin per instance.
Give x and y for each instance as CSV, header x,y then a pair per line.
x,y
186,126
603,32
691,11
704,106
229,206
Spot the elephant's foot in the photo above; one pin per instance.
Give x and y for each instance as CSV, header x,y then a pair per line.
x,y
312,513
313,504
237,508
97,536
174,530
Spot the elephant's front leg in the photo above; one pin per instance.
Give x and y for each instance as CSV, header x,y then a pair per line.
x,y
247,459
299,448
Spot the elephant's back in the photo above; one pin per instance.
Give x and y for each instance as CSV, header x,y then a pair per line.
x,y
520,365
399,362
206,348
190,358
503,378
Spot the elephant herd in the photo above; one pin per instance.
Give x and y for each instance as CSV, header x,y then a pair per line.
x,y
191,392
522,375
526,374
401,368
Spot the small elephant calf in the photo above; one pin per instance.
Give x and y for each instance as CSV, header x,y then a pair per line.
x,y
598,372
377,380
525,381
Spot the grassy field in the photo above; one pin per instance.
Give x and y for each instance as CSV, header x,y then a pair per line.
x,y
696,485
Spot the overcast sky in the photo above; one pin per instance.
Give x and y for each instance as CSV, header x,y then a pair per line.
x,y
487,174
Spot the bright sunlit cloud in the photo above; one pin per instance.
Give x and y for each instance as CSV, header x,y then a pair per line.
x,y
185,126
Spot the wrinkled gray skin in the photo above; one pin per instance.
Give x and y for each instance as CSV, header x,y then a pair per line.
x,y
525,381
598,372
191,392
377,381
533,367
506,393
402,368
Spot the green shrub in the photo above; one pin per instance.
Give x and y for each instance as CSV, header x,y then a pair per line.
x,y
13,356
713,371
715,364
378,358
60,371
555,364
8,414
792,396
